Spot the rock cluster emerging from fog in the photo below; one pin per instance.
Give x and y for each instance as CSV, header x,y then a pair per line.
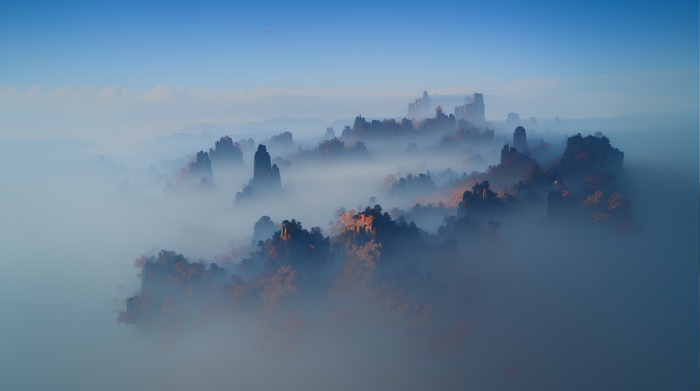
x,y
226,153
590,155
266,176
374,262
283,139
334,149
413,185
197,173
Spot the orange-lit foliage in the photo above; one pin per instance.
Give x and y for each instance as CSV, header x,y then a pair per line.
x,y
445,344
452,196
600,216
616,201
624,228
142,302
393,303
583,157
593,199
140,261
389,181
358,269
237,290
420,318
229,256
349,222
271,249
596,181
277,287
168,306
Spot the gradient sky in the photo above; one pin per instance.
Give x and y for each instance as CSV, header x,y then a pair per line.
x,y
327,50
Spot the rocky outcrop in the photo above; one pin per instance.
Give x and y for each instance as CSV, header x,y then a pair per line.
x,y
266,176
420,108
520,139
472,111
171,285
479,201
197,173
226,153
412,186
284,139
264,229
333,150
590,155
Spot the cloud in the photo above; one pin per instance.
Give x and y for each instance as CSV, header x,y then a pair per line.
x,y
668,91
111,94
32,95
92,113
157,94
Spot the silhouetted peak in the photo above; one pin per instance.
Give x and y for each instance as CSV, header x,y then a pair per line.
x,y
266,176
226,153
590,155
197,172
263,229
520,138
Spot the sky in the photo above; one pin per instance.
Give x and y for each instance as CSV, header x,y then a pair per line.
x,y
83,68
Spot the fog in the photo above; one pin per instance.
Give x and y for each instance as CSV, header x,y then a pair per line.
x,y
525,305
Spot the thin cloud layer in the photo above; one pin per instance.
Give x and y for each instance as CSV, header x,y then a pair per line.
x,y
94,113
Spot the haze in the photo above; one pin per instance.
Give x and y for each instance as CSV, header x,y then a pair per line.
x,y
206,143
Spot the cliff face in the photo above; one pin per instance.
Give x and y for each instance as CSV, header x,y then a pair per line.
x,y
266,176
171,285
590,155
473,111
284,139
264,229
479,201
588,188
420,108
412,186
198,172
226,154
520,139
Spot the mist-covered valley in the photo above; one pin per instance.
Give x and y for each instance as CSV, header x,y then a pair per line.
x,y
441,260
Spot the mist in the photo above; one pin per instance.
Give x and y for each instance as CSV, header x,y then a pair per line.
x,y
510,300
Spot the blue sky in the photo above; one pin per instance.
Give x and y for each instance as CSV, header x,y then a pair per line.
x,y
331,49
